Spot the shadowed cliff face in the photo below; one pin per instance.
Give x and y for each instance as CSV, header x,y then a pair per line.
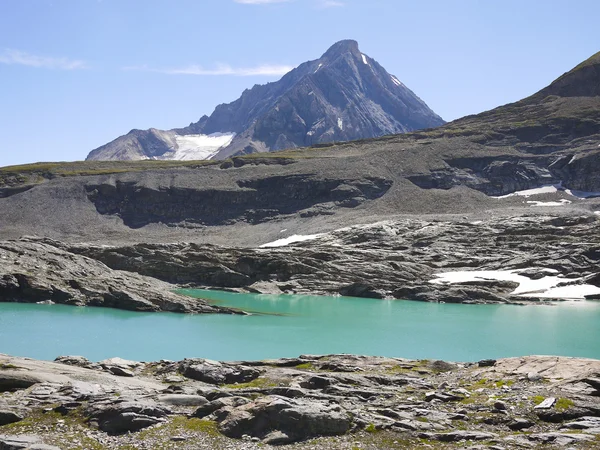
x,y
253,201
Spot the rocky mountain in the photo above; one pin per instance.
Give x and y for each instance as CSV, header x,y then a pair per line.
x,y
344,95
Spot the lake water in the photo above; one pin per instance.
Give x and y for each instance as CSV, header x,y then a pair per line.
x,y
293,325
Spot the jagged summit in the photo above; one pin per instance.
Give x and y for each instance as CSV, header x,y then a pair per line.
x,y
343,95
341,47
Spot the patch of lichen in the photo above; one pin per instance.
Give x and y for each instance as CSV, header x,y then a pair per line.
x,y
306,366
562,404
8,366
257,383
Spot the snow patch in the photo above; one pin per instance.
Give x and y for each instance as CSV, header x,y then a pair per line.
x,y
198,146
582,194
551,189
546,189
364,58
597,213
396,81
546,287
291,239
559,203
340,124
319,66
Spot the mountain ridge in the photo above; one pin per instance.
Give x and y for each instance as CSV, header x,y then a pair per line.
x,y
341,96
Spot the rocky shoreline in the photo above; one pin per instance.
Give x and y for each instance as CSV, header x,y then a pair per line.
x,y
309,402
395,259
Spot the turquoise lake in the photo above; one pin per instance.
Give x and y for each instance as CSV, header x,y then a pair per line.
x,y
293,325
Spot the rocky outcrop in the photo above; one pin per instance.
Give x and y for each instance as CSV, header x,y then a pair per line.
x,y
392,259
316,402
252,201
39,272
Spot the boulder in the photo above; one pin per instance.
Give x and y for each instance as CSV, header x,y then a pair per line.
x,y
297,419
182,400
78,361
12,380
217,373
125,416
7,416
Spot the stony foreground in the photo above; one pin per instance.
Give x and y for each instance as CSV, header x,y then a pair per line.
x,y
310,402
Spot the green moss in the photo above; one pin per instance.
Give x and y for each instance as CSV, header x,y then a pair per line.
x,y
563,404
258,383
371,428
501,383
8,366
537,399
306,366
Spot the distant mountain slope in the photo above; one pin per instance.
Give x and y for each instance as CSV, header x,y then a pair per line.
x,y
344,95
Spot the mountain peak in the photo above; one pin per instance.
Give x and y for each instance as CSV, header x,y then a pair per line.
x,y
341,47
342,96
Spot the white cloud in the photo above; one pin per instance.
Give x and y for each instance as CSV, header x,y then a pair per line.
x,y
260,2
330,3
220,69
11,56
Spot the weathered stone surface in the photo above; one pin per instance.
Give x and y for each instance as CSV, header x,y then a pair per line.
x,y
38,271
297,419
217,373
27,442
520,424
455,436
182,400
11,380
347,404
7,416
78,361
122,417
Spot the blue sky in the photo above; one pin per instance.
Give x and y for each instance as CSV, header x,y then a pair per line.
x,y
75,74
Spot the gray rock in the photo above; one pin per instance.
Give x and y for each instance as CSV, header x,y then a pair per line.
x,y
12,380
182,400
461,435
533,376
220,403
583,423
7,417
500,406
24,442
297,419
520,424
78,361
217,373
126,416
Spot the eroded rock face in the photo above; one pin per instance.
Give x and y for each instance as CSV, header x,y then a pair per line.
x,y
253,201
392,259
39,271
